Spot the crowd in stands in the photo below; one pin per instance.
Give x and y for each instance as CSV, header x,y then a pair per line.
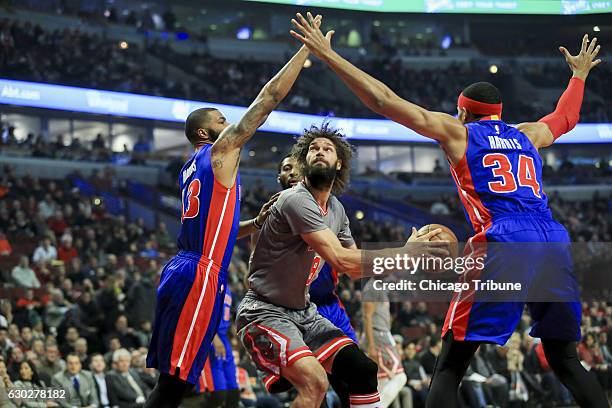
x,y
98,150
79,288
73,57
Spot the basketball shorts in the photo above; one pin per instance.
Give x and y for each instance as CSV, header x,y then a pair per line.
x,y
187,314
543,265
276,337
388,358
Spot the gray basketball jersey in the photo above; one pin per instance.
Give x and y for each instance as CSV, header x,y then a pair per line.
x,y
282,265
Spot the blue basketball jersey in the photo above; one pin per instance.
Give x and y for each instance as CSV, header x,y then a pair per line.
x,y
323,289
500,174
210,211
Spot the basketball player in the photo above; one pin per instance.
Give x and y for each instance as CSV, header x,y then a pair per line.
x,y
276,322
219,376
498,171
193,283
381,346
322,290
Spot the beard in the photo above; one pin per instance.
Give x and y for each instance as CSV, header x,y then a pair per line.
x,y
285,183
213,135
321,177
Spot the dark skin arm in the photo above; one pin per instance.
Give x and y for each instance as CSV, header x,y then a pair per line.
x,y
377,96
248,227
226,149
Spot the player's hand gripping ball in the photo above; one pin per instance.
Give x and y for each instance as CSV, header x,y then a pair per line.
x,y
434,265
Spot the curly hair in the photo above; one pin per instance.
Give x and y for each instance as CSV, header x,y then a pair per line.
x,y
344,152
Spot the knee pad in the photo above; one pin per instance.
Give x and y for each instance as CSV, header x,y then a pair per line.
x,y
356,369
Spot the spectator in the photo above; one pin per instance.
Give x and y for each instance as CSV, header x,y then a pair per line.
x,y
5,343
162,236
70,339
141,299
125,334
66,252
98,367
26,339
592,358
24,276
45,252
16,357
52,363
56,309
494,385
47,207
80,350
78,384
5,246
98,143
418,380
56,223
125,387
29,381
5,385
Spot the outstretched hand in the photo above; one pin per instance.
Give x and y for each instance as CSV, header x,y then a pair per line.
x,y
311,36
582,63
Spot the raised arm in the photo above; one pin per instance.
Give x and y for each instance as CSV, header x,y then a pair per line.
x,y
567,113
373,93
226,149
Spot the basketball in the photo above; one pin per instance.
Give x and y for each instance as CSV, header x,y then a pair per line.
x,y
446,235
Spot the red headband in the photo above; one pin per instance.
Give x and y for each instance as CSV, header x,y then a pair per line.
x,y
479,108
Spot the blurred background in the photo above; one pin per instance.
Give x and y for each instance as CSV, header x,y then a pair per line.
x,y
93,95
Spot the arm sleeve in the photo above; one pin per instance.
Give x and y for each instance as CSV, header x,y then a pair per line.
x,y
302,214
567,113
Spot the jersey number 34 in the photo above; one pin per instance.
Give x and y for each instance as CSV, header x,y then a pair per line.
x,y
507,181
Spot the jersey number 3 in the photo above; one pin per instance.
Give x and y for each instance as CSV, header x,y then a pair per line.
x,y
191,209
502,168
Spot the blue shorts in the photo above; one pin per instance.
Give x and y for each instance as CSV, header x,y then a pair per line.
x,y
544,265
334,312
219,374
187,314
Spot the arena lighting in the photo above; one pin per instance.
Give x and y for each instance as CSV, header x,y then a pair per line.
x,y
307,63
124,45
252,153
596,29
244,33
359,214
274,149
97,201
550,7
83,100
493,69
446,42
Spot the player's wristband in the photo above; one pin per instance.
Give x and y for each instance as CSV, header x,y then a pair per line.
x,y
256,224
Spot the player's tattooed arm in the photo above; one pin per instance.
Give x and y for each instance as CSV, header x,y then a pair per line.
x,y
226,149
375,94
